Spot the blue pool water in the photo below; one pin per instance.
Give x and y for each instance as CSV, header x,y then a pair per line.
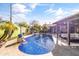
x,y
37,44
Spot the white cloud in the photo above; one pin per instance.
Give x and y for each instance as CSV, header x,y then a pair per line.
x,y
50,10
74,11
20,8
5,17
19,12
19,18
33,5
58,14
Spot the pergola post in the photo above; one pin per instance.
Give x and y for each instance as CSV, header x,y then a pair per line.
x,y
57,33
60,25
53,30
68,32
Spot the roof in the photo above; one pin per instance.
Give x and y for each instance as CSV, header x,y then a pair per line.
x,y
69,18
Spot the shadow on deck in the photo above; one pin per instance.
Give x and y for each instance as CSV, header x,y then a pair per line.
x,y
66,51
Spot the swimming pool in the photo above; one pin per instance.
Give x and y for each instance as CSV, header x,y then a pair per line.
x,y
37,44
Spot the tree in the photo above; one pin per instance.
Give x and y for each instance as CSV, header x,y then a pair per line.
x,y
45,28
25,25
36,27
34,22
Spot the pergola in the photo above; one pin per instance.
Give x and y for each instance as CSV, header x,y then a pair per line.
x,y
67,25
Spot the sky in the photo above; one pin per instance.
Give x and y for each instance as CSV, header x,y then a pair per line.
x,y
42,12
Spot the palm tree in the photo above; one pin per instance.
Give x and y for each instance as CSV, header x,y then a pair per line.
x,y
11,25
8,30
12,28
8,27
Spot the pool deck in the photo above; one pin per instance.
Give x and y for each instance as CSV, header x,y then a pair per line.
x,y
14,51
61,50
